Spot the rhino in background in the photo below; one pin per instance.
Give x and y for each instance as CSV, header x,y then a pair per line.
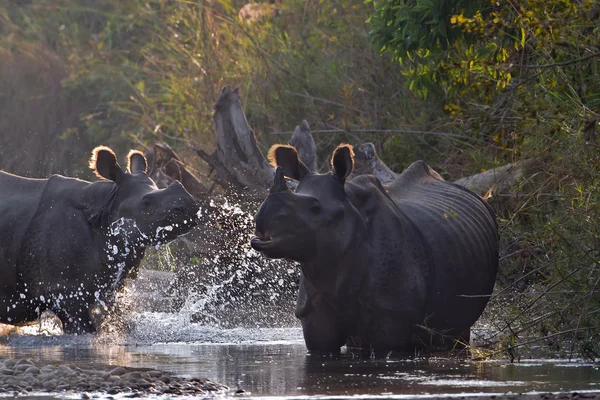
x,y
407,265
67,244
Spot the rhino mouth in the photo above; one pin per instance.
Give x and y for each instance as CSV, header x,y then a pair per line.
x,y
259,243
265,243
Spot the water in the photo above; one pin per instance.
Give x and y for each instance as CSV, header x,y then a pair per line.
x,y
262,366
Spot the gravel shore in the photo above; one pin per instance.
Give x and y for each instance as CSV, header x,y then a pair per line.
x,y
22,376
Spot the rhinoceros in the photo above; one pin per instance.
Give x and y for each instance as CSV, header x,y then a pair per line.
x,y
401,266
66,244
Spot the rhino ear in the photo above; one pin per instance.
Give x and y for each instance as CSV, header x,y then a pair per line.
x,y
136,162
105,165
342,161
286,157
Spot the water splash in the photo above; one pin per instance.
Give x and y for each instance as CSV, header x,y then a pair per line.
x,y
207,282
229,284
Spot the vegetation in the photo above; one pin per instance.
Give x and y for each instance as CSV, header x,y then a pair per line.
x,y
521,76
517,80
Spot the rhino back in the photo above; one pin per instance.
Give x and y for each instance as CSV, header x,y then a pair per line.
x,y
19,198
461,235
59,246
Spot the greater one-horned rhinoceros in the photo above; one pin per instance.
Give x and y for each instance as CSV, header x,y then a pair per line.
x,y
396,267
66,244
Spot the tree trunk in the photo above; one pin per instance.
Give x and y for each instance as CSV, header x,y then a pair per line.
x,y
239,163
303,141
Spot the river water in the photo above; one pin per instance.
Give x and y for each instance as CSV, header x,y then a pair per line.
x,y
273,362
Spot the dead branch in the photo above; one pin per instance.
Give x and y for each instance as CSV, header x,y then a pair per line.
x,y
366,161
237,160
303,141
167,167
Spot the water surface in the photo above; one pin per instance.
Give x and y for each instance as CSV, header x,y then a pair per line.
x,y
253,360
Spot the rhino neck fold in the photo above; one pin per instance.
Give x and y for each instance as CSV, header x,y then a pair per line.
x,y
339,275
97,202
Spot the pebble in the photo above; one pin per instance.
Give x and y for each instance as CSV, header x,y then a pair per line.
x,y
32,370
21,367
23,375
118,371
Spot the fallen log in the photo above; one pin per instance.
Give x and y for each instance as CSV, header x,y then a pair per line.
x,y
239,164
500,180
366,162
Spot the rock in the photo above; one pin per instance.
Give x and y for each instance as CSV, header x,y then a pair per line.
x,y
49,385
144,384
65,370
131,375
155,374
21,367
24,376
32,370
118,371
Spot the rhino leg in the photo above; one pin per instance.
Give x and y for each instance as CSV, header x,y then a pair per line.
x,y
76,319
321,326
14,311
392,334
322,332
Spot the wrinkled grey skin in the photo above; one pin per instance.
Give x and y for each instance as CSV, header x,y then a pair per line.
x,y
397,267
66,244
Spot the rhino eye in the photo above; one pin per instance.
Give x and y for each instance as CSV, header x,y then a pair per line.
x,y
146,202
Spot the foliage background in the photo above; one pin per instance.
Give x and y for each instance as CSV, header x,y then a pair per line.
x,y
518,79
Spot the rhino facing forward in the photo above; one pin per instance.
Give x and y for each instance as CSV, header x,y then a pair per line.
x,y
397,267
66,244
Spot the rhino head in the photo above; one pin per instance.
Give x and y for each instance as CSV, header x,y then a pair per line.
x,y
159,215
316,220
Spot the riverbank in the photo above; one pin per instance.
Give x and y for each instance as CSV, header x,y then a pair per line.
x,y
23,376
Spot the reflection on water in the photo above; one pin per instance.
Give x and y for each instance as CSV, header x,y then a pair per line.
x,y
283,368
